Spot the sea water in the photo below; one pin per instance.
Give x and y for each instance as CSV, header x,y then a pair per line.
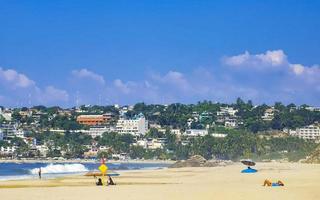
x,y
16,171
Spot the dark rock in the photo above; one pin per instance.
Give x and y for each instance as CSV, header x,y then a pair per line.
x,y
198,161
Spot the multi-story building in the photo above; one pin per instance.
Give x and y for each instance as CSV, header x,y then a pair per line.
x,y
227,116
227,111
93,120
97,131
138,125
196,132
8,130
311,132
1,135
9,150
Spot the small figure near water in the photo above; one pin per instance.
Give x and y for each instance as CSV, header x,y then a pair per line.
x,y
39,173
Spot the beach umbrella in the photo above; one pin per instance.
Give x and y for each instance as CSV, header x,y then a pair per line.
x,y
248,162
96,173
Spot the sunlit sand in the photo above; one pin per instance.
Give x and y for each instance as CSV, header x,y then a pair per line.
x,y
301,182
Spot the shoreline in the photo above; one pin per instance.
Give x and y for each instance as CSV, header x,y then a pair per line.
x,y
144,165
81,161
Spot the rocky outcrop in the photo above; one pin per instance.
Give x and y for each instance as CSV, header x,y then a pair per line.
x,y
199,161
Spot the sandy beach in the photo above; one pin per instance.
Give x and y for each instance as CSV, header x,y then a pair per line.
x,y
301,182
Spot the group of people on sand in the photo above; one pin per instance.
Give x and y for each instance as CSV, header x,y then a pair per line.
x,y
269,183
109,182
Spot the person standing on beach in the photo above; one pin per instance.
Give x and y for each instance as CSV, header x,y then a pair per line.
x,y
39,172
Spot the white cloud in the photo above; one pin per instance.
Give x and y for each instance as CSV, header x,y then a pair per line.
x,y
309,75
298,69
173,78
275,58
53,94
20,88
85,73
123,87
15,79
265,77
237,60
271,60
277,78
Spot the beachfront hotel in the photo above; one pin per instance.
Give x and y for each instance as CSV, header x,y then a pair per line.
x,y
138,125
311,132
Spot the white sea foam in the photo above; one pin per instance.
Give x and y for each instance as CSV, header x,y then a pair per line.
x,y
60,169
20,177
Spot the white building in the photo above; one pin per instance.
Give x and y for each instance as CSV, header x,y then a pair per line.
x,y
311,132
7,150
6,114
231,122
156,143
20,133
93,131
43,149
175,131
151,143
120,156
172,131
1,135
268,114
98,131
227,116
135,126
141,143
195,132
219,135
313,109
8,130
227,111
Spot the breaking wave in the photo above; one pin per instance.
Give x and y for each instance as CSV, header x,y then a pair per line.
x,y
60,169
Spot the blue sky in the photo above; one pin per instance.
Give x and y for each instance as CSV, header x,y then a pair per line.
x,y
105,52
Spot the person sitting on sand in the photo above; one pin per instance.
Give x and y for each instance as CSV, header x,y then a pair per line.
x,y
110,181
267,183
280,183
99,182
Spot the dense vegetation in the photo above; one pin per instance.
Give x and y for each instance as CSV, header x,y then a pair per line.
x,y
252,138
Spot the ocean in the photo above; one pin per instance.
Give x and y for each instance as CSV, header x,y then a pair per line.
x,y
16,171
